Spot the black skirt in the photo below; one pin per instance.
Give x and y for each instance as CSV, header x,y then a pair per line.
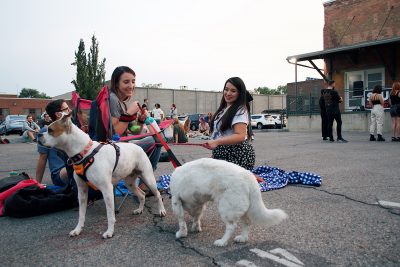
x,y
240,154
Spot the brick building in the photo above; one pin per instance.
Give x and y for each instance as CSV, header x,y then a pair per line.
x,y
361,48
11,104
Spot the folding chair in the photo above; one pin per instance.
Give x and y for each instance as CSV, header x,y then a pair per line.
x,y
94,118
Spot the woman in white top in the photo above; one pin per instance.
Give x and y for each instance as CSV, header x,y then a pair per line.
x,y
229,126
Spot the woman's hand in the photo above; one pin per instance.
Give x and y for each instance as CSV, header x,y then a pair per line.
x,y
211,144
133,108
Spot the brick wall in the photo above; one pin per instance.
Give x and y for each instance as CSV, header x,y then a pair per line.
x,y
355,21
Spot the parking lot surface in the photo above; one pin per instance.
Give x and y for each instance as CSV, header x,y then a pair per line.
x,y
352,219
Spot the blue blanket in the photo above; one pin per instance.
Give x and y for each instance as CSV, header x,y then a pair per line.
x,y
274,178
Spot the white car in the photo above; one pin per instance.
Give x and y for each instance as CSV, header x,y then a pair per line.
x,y
260,121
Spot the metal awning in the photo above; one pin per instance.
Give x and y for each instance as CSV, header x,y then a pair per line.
x,y
326,53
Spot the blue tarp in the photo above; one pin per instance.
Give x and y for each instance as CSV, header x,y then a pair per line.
x,y
274,178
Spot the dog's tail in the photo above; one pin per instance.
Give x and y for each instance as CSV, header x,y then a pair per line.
x,y
259,214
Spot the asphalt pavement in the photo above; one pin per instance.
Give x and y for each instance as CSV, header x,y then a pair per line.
x,y
353,219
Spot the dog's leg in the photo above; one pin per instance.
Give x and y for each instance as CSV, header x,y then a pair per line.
x,y
177,208
108,196
82,198
197,214
244,236
130,182
229,216
229,230
149,180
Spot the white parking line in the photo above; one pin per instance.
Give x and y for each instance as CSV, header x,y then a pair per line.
x,y
288,263
245,263
389,204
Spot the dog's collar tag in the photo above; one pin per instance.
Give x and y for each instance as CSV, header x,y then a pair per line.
x,y
78,157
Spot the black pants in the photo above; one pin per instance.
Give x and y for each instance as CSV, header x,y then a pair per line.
x,y
324,125
338,118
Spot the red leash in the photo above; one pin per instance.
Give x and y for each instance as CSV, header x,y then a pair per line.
x,y
205,145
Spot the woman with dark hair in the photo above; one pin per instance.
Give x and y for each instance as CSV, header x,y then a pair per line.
x,y
124,109
395,111
229,126
377,113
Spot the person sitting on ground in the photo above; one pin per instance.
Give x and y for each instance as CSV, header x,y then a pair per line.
x,y
180,135
59,174
230,139
30,129
204,128
46,121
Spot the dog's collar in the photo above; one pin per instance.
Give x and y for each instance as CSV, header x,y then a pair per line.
x,y
78,157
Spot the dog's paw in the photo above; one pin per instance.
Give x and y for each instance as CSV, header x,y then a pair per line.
x,y
108,234
138,211
162,213
196,227
241,239
180,234
220,243
75,232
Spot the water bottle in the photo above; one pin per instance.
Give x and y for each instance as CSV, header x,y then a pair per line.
x,y
153,126
115,137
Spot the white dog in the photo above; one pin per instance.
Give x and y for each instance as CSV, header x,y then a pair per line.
x,y
234,189
105,171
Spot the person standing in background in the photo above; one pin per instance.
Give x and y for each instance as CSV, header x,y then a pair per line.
x,y
173,112
324,116
395,111
158,114
332,100
376,100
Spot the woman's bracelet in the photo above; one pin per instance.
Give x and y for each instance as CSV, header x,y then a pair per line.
x,y
127,117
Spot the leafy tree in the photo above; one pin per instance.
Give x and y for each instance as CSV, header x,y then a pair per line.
x,y
281,90
32,93
90,74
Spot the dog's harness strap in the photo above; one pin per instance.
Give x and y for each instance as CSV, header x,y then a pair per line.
x,y
80,169
78,157
117,154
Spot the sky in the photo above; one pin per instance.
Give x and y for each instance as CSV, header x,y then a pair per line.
x,y
198,44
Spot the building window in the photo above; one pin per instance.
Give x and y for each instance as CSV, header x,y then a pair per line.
x,y
35,112
358,84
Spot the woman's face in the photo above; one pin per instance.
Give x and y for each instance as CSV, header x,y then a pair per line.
x,y
231,93
126,85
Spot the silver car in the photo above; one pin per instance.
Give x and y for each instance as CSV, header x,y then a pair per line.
x,y
13,124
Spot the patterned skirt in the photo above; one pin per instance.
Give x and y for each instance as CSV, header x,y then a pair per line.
x,y
240,154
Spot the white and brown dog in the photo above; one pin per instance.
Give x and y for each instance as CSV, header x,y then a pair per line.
x,y
131,164
233,188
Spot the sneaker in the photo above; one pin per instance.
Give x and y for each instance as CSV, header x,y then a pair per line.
x,y
325,138
342,140
331,140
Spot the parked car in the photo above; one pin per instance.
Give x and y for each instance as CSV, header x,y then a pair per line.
x,y
278,121
260,121
13,124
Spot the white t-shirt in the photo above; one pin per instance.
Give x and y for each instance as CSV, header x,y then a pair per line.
x,y
157,112
241,116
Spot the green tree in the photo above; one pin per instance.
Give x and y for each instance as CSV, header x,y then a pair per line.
x,y
281,90
90,73
32,93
